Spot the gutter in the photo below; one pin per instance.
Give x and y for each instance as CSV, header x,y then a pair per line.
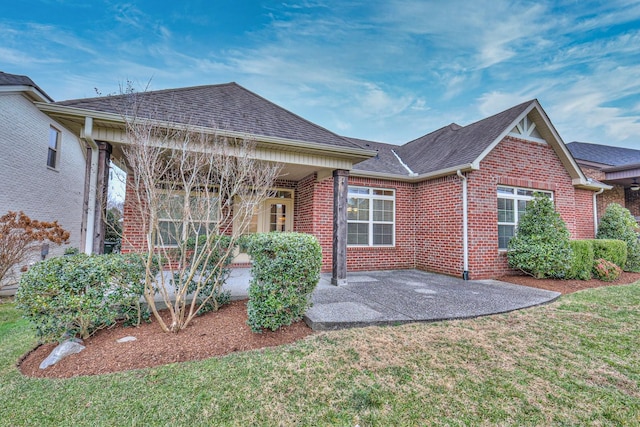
x,y
465,226
468,167
91,184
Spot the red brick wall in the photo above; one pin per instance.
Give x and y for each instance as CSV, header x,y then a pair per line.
x,y
313,213
438,232
525,164
429,214
584,215
401,256
133,227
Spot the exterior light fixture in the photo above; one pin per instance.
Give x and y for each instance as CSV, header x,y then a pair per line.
x,y
634,185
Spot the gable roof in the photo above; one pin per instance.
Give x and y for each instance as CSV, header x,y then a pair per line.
x,y
17,82
456,145
604,154
226,107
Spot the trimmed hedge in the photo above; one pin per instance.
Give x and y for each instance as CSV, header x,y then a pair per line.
x,y
581,260
612,250
77,295
588,253
285,271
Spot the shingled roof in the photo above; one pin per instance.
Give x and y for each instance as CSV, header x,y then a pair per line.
x,y
385,162
7,79
604,154
228,107
456,145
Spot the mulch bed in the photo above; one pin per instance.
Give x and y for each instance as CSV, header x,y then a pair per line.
x,y
213,334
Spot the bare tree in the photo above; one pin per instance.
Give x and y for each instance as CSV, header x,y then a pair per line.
x,y
196,193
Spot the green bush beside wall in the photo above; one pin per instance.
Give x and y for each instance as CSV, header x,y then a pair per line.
x,y
618,223
77,295
581,260
285,271
612,250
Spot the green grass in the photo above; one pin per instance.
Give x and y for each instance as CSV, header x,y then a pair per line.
x,y
573,362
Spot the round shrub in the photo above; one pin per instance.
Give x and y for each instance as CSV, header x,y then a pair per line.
x,y
77,295
541,245
618,223
285,271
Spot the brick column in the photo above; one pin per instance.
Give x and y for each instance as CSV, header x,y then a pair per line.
x,y
339,261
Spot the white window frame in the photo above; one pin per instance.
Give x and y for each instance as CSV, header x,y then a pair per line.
x,y
369,194
514,194
213,192
53,148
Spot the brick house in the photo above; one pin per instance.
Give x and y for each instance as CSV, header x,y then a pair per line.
x,y
616,166
446,202
42,166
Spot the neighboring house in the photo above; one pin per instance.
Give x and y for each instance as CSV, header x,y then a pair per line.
x,y
447,202
42,166
616,166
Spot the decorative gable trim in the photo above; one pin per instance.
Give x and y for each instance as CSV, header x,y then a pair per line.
x,y
526,129
534,112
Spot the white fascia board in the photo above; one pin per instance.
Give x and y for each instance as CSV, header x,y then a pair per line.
x,y
415,178
359,153
30,91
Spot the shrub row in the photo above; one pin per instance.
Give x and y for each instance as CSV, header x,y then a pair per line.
x,y
589,253
285,271
77,295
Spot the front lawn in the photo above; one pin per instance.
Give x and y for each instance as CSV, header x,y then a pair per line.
x,y
573,362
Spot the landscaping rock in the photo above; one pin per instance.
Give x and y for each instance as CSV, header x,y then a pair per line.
x,y
61,351
127,339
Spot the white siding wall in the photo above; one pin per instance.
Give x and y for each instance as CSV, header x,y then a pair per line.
x,y
26,183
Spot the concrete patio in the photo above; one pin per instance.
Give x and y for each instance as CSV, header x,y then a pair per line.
x,y
404,296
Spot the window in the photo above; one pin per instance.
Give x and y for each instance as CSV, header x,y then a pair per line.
x,y
54,147
512,204
180,217
370,217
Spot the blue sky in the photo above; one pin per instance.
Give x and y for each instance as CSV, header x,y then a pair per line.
x,y
383,70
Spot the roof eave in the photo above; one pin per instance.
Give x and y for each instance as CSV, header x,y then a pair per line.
x,y
587,184
468,167
32,92
356,154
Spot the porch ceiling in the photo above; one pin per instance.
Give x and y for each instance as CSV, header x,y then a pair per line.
x,y
622,175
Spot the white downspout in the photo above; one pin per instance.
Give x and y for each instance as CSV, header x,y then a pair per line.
x,y
595,212
465,227
87,135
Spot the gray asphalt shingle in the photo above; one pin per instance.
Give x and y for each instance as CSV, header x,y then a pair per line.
x,y
227,107
604,154
456,145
